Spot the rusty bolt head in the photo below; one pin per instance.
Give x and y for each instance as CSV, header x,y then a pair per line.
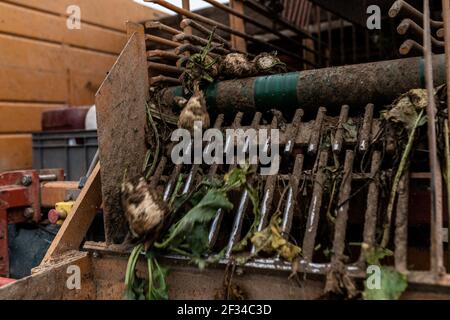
x,y
28,213
26,180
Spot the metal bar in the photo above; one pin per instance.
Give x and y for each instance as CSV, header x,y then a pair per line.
x,y
354,58
266,204
170,187
410,46
319,33
158,173
342,209
205,31
314,208
215,225
162,27
436,182
311,88
446,36
192,174
236,229
191,48
341,43
408,25
164,68
162,54
260,25
401,225
313,145
370,216
165,79
288,213
293,131
339,135
255,6
329,39
366,130
200,41
163,41
221,26
401,7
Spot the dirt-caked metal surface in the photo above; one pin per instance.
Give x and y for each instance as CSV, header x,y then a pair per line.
x,y
121,115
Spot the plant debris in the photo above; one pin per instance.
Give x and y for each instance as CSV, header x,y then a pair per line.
x,y
271,241
391,283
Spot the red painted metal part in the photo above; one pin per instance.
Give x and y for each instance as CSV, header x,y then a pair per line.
x,y
4,259
19,203
5,281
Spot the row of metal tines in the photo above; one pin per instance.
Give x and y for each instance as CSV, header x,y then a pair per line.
x,y
167,64
301,144
411,25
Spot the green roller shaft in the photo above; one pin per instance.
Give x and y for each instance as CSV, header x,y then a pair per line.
x,y
355,85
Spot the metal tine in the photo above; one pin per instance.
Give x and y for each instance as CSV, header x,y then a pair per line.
x,y
192,174
226,28
165,79
366,130
162,54
255,123
342,209
409,25
370,217
339,135
316,132
164,68
401,224
294,182
158,172
402,8
215,225
162,41
170,187
266,204
314,208
437,250
199,41
188,47
236,124
161,26
293,131
242,208
410,46
174,178
206,31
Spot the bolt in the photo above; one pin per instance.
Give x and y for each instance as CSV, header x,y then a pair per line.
x,y
26,180
28,213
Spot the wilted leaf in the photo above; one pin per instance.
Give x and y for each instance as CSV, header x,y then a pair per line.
x,y
271,241
392,285
406,108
